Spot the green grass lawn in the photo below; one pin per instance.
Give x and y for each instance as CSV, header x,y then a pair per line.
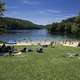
x,y
50,65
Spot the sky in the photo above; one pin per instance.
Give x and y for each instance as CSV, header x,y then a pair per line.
x,y
42,11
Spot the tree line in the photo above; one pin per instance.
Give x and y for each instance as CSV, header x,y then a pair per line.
x,y
13,23
68,26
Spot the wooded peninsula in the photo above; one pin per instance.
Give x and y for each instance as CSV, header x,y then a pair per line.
x,y
68,26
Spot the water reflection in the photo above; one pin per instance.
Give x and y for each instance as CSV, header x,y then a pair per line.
x,y
41,34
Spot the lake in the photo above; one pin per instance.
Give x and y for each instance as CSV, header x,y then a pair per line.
x,y
34,35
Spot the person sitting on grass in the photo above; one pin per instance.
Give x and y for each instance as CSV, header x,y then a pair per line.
x,y
45,46
23,50
40,50
30,50
26,50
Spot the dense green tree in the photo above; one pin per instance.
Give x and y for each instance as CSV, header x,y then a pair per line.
x,y
68,27
2,30
60,28
75,28
2,8
77,19
52,28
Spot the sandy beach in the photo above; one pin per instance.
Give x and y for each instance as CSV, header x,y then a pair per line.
x,y
64,43
47,42
33,43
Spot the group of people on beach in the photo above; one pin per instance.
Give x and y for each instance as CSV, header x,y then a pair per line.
x,y
73,43
48,42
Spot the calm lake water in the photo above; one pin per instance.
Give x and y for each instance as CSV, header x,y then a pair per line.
x,y
34,35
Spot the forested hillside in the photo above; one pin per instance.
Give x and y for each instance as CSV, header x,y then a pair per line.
x,y
13,23
68,26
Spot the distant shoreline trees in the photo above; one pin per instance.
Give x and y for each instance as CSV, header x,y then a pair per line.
x,y
14,23
68,26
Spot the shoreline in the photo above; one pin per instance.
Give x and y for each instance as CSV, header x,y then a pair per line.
x,y
47,42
